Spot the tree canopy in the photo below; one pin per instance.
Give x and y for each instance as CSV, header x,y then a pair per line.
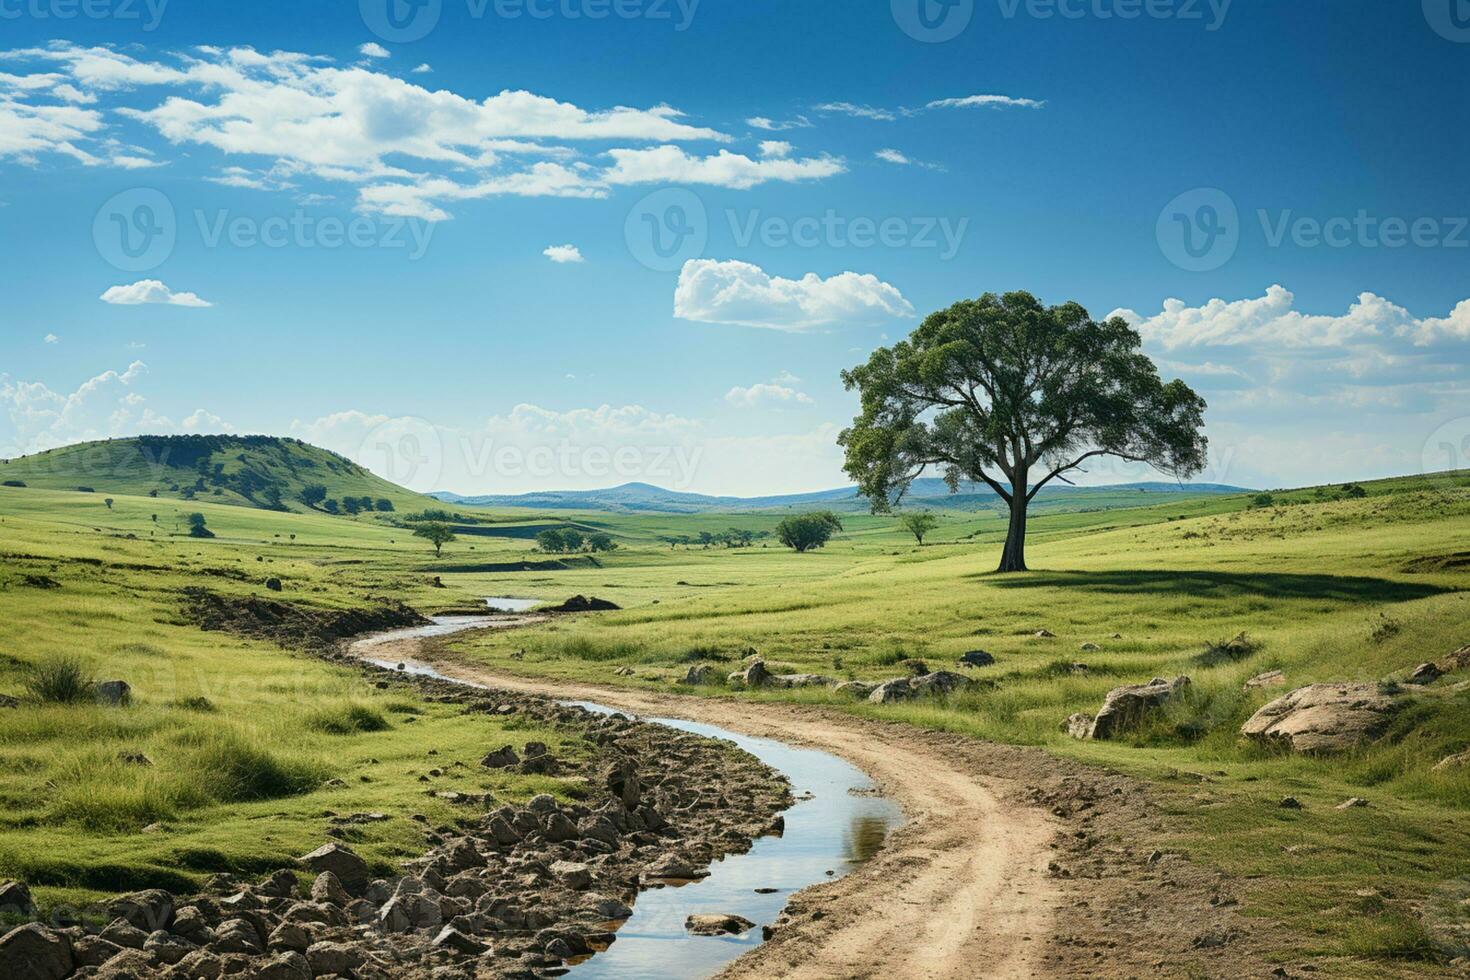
x,y
807,531
918,523
991,389
436,534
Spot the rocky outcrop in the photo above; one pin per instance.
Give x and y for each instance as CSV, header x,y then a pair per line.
x,y
976,658
350,870
938,683
855,689
581,603
700,675
717,924
1324,717
1271,678
753,676
803,680
33,952
15,901
1126,708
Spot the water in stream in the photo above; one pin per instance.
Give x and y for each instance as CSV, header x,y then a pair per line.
x,y
838,823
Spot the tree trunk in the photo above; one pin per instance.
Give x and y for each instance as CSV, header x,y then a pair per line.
x,y
1013,559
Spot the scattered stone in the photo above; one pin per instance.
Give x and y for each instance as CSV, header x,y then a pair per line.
x,y
976,658
1453,762
1089,647
1459,660
114,693
939,682
1324,717
581,603
15,901
1425,674
451,938
1044,635
1127,707
274,584
328,890
675,866
1271,678
888,692
33,952
623,672
1290,803
1079,725
718,925
1351,803
283,966
502,758
756,675
6,701
701,674
803,680
351,871
339,959
148,910
574,874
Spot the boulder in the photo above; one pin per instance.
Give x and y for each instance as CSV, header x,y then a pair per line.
x,y
888,692
288,936
855,689
130,964
168,948
146,910
451,938
15,901
756,675
1324,717
351,870
33,952
700,674
718,925
115,693
1425,674
283,966
976,658
1451,763
1127,707
803,680
1079,725
1459,660
327,958
581,603
674,865
502,758
573,874
1271,678
1044,634
274,584
328,890
939,682
93,951
200,965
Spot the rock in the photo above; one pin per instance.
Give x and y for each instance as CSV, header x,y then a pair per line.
x,y
1127,707
169,949
274,584
200,965
804,680
718,925
1044,635
328,890
624,672
938,683
9,701
115,693
1351,803
610,909
451,938
574,874
281,884
236,936
123,933
1079,725
1452,762
15,901
854,689
1271,678
1459,660
888,692
675,866
130,964
147,910
33,952
1089,647
1323,717
191,924
327,959
1425,674
579,603
700,674
93,951
756,675
976,658
1290,803
289,936
351,870
502,758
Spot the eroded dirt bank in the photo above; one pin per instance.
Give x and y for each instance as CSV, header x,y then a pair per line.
x,y
1012,863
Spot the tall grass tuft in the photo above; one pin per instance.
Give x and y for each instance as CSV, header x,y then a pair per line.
x,y
62,679
229,769
347,718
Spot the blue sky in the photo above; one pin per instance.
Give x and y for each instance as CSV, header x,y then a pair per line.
x,y
431,247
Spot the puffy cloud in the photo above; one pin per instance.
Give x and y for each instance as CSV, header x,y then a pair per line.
x,y
373,50
892,156
775,148
672,164
561,254
778,125
764,395
739,293
105,405
149,292
51,338
985,101
860,111
203,420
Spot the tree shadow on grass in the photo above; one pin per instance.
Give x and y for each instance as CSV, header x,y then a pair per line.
x,y
1225,585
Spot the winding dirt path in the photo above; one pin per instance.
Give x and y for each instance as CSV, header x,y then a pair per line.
x,y
970,886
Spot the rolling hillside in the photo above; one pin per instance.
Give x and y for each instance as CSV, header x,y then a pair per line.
x,y
926,493
253,471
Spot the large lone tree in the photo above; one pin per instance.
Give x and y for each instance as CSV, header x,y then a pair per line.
x,y
995,388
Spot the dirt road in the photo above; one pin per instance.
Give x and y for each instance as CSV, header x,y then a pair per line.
x,y
1011,863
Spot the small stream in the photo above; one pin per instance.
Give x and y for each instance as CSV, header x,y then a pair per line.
x,y
838,822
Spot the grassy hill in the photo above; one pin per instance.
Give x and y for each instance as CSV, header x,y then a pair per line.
x,y
253,471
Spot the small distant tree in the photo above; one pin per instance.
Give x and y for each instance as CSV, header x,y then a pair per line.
x,y
365,503
330,506
1263,500
155,518
551,541
351,505
918,524
384,504
197,528
436,534
807,531
573,539
108,502
312,494
601,541
1353,492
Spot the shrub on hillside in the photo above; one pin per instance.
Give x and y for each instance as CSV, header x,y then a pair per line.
x,y
63,679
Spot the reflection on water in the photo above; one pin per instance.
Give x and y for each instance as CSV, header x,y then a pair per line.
x,y
838,823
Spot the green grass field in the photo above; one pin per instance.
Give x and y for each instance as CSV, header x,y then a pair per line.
x,y
246,739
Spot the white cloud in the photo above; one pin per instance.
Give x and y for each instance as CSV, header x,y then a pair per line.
x,y
374,50
671,164
778,125
151,291
202,420
51,338
742,294
103,406
423,69
561,254
764,395
860,111
787,378
893,156
985,101
779,149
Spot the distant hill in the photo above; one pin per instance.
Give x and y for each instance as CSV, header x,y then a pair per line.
x,y
252,471
925,493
